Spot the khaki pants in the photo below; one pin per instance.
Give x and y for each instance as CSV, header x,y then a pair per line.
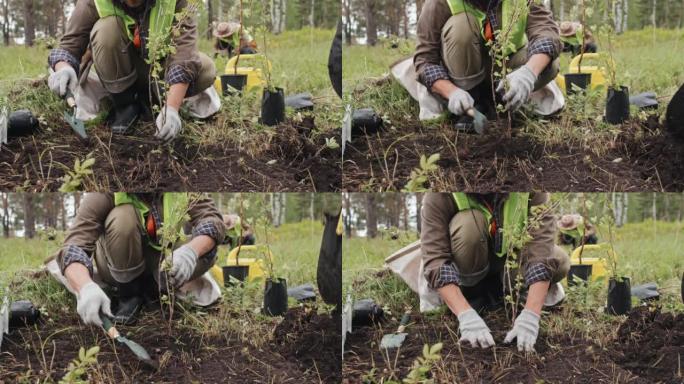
x,y
122,252
119,65
466,56
474,255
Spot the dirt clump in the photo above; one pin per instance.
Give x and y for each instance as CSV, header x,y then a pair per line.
x,y
313,340
650,343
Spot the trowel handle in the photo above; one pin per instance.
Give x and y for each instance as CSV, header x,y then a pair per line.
x,y
404,321
109,327
471,112
70,99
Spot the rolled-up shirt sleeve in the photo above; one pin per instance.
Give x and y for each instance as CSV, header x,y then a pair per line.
x,y
427,58
543,34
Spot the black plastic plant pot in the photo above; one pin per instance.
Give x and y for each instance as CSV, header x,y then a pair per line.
x,y
21,123
273,107
579,273
617,105
619,296
580,80
366,120
239,272
275,297
232,84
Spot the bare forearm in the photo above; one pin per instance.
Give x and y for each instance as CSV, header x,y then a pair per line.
x,y
535,296
454,299
174,98
538,62
77,275
443,88
202,244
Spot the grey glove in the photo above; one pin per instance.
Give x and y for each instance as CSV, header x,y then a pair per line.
x,y
62,79
184,261
525,329
92,300
460,102
168,124
520,86
474,330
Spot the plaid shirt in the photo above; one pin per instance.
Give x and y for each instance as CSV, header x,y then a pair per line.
x,y
449,274
434,72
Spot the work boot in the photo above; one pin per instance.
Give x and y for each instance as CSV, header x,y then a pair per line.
x,y
130,301
125,111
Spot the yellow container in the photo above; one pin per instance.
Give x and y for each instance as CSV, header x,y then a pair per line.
x,y
251,65
251,256
589,65
594,255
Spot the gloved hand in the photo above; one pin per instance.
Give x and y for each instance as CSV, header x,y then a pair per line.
x,y
184,260
520,86
92,300
460,102
62,79
168,124
474,330
525,329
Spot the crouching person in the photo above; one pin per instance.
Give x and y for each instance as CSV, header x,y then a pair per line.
x,y
119,36
464,251
452,59
114,242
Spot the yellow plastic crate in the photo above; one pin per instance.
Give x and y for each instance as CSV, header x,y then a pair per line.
x,y
589,65
594,255
251,65
251,256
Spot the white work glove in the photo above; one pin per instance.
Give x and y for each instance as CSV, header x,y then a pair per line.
x,y
525,329
460,102
92,300
168,124
474,330
184,260
520,86
62,79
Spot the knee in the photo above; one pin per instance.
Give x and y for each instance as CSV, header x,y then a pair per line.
x,y
122,223
207,74
107,34
562,264
469,241
461,30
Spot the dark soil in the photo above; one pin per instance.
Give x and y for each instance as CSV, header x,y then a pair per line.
x,y
184,358
314,341
642,157
651,344
559,359
140,162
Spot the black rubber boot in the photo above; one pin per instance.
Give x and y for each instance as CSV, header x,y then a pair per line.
x,y
125,112
131,299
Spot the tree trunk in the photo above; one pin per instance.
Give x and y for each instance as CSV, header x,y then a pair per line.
x,y
210,19
276,207
371,24
347,36
371,217
29,216
347,215
625,15
29,23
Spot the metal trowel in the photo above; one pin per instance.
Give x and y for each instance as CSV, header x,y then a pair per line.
x,y
396,339
76,124
134,347
479,120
